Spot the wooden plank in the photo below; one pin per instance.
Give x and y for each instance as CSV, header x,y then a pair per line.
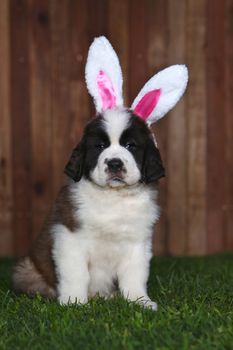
x,y
79,38
118,12
138,37
229,123
177,142
97,26
6,234
97,18
157,18
60,73
79,99
196,127
157,22
118,36
20,122
41,123
216,169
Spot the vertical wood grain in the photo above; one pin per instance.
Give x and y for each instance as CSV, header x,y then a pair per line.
x,y
97,18
229,124
6,200
118,36
97,26
20,122
138,40
177,140
60,73
196,127
157,21
216,166
79,99
41,121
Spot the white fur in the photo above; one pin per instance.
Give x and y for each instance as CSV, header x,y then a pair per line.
x,y
116,121
172,81
114,241
101,56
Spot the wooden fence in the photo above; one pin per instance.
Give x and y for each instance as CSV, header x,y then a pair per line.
x,y
44,105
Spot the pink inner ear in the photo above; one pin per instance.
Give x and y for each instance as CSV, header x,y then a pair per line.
x,y
106,91
147,104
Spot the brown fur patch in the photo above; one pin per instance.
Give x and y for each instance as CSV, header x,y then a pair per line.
x,y
36,273
41,254
64,210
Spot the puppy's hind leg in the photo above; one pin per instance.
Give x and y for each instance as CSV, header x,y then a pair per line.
x,y
26,279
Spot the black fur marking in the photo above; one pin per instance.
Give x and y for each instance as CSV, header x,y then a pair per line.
x,y
152,169
85,155
139,141
74,168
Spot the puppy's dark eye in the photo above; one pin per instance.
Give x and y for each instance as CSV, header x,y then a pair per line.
x,y
100,145
130,145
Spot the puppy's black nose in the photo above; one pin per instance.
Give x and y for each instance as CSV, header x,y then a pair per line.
x,y
115,164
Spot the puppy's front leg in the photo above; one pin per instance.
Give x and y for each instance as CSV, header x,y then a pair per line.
x,y
70,259
133,275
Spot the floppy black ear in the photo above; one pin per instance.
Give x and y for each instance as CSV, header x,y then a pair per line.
x,y
153,168
74,168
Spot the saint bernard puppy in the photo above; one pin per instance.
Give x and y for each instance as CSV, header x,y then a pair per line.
x,y
97,237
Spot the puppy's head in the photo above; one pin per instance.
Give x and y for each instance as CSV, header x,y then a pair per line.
x,y
117,150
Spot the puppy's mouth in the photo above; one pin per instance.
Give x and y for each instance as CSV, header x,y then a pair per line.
x,y
116,178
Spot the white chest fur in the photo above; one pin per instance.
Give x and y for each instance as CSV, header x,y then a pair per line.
x,y
125,214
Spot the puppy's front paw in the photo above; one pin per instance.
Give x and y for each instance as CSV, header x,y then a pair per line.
x,y
71,299
147,303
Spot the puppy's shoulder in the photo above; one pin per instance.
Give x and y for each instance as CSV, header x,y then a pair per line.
x,y
65,208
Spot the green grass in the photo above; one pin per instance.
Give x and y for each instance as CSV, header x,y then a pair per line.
x,y
195,312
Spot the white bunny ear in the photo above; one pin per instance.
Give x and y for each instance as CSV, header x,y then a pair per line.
x,y
161,93
103,75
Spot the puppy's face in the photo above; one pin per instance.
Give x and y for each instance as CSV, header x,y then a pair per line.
x,y
117,149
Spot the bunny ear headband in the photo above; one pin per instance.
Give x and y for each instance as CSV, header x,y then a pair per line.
x,y
104,83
